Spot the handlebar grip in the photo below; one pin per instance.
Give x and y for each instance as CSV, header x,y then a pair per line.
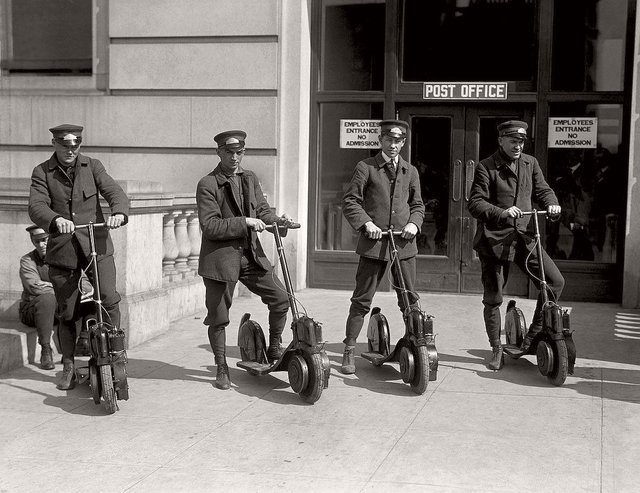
x,y
395,233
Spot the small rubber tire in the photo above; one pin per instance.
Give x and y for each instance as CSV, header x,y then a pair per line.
x,y
313,391
108,392
94,383
560,370
421,376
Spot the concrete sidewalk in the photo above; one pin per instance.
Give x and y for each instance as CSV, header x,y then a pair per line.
x,y
473,430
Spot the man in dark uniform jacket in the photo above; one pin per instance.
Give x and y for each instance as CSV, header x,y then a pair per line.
x,y
384,192
232,210
38,303
65,191
504,186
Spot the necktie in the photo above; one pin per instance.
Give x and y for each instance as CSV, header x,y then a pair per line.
x,y
392,170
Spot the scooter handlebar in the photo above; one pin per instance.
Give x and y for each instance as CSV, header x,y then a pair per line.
x,y
289,225
95,225
395,232
531,213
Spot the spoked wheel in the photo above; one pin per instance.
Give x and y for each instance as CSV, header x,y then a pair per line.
x,y
94,383
421,376
560,369
313,390
108,392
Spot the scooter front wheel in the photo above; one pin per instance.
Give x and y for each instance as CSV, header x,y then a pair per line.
x,y
94,382
558,373
421,375
108,392
312,392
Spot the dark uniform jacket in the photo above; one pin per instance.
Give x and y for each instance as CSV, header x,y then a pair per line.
x,y
224,229
52,195
33,271
496,188
371,196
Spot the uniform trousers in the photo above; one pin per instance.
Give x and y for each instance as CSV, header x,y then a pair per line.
x,y
368,277
219,297
495,274
70,312
40,312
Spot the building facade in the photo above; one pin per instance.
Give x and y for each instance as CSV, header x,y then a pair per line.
x,y
153,80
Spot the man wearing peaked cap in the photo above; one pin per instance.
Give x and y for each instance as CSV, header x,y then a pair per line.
x,y
384,193
65,191
394,128
231,139
232,209
501,234
513,128
38,302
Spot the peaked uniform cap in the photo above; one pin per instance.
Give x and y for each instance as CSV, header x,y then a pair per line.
x,y
36,232
231,139
513,128
394,128
67,134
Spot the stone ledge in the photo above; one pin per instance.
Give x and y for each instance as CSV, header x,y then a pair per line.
x,y
18,345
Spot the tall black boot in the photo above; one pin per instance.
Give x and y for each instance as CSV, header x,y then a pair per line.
x,y
497,357
274,351
46,357
222,375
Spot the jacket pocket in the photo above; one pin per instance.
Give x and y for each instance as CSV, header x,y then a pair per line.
x,y
89,191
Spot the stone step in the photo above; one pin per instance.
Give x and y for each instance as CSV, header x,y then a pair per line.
x,y
19,346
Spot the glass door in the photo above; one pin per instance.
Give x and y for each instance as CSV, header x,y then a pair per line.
x,y
445,143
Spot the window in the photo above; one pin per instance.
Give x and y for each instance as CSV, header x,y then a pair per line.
x,y
481,40
590,184
589,45
336,168
47,37
353,45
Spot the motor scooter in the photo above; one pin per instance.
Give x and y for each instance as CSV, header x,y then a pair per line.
x,y
104,343
553,346
304,359
416,350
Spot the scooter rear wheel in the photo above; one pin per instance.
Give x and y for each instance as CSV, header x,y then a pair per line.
x,y
558,373
312,392
108,392
421,377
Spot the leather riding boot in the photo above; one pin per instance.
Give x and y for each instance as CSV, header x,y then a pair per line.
x,y
497,357
274,351
46,357
222,377
68,379
348,360
528,338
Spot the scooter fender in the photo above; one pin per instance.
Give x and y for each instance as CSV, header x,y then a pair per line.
x,y
251,340
378,332
571,352
99,343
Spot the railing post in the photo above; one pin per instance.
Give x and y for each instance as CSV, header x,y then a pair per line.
x,y
182,241
169,244
193,231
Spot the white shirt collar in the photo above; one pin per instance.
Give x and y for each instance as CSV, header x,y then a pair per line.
x,y
387,159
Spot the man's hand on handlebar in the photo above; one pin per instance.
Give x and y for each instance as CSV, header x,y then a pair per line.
x,y
64,225
372,231
255,224
115,221
554,210
285,220
512,211
409,231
